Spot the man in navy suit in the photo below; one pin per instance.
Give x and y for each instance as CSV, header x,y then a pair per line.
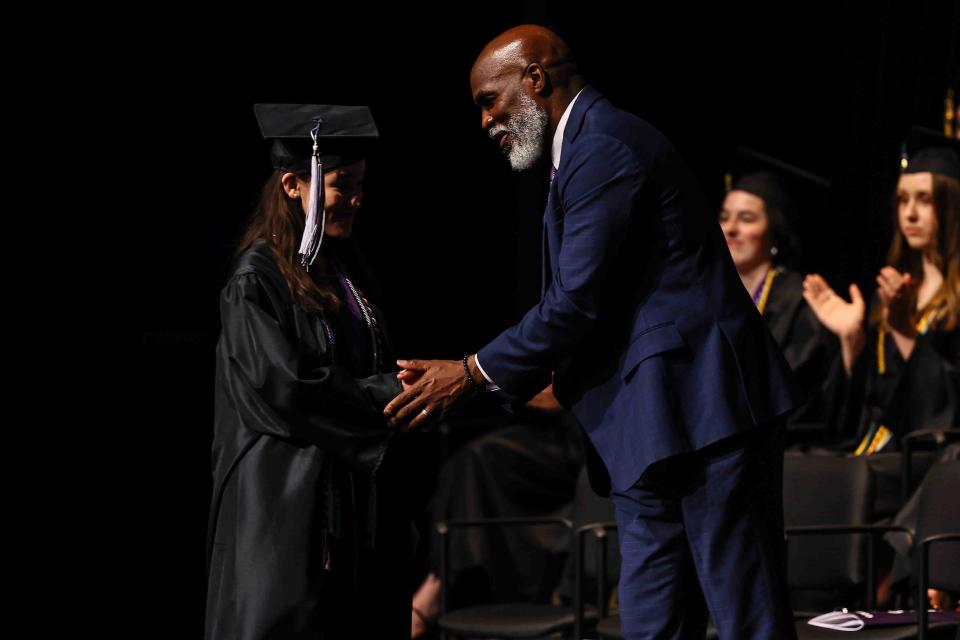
x,y
648,335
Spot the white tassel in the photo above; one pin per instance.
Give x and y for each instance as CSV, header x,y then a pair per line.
x,y
312,231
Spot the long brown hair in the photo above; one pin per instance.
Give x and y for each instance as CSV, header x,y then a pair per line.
x,y
946,206
280,220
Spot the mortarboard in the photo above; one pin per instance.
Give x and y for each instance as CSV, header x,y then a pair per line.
x,y
309,139
783,187
925,150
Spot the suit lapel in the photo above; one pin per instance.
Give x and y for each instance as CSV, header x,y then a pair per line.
x,y
552,215
552,230
545,269
585,100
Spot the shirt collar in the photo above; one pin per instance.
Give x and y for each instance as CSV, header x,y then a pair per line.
x,y
558,135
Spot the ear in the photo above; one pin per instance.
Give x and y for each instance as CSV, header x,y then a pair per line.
x,y
290,185
538,78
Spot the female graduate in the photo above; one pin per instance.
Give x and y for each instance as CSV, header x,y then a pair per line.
x,y
902,372
308,533
754,220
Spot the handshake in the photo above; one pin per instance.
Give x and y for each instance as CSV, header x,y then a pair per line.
x,y
433,389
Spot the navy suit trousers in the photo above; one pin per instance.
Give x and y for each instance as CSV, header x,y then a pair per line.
x,y
704,531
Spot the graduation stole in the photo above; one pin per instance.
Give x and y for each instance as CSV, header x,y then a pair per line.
x,y
760,296
878,435
922,325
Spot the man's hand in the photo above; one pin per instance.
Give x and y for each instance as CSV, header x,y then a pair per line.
x,y
431,390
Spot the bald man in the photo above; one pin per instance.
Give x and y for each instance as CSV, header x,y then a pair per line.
x,y
650,338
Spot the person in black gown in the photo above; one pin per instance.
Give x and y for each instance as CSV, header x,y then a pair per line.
x,y
308,525
756,219
899,366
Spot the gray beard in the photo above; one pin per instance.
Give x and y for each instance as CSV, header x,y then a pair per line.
x,y
528,130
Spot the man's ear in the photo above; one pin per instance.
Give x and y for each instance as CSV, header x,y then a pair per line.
x,y
290,185
538,78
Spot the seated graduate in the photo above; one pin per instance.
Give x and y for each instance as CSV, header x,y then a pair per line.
x,y
764,196
899,367
308,524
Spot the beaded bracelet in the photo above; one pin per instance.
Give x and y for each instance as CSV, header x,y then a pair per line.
x,y
466,370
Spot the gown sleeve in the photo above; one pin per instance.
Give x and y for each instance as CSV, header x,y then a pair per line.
x,y
918,393
275,393
928,392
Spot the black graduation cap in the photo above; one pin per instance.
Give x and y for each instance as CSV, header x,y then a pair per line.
x,y
788,192
346,134
925,150
309,139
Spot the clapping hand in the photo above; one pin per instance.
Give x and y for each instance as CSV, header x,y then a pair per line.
x,y
898,294
839,316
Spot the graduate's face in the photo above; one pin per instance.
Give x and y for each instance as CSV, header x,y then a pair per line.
x,y
508,113
744,222
343,188
915,212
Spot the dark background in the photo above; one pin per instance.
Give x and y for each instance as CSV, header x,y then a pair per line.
x,y
452,234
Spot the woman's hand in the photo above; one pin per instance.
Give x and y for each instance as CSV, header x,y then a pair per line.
x,y
839,316
898,294
545,402
407,377
844,319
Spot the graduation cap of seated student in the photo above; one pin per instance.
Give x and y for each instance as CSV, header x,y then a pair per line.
x,y
925,150
309,139
789,193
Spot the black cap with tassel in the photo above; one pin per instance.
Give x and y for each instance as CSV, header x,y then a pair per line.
x,y
309,139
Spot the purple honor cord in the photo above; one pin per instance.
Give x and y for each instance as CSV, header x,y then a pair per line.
x,y
758,292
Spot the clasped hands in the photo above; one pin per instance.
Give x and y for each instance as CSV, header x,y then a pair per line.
x,y
431,390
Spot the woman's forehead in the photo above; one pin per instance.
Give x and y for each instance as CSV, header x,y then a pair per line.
x,y
921,181
739,200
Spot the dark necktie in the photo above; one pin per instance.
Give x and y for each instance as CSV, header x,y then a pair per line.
x,y
545,252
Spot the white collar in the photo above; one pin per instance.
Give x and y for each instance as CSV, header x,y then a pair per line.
x,y
558,135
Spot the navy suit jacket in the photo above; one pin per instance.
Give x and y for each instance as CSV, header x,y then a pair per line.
x,y
651,338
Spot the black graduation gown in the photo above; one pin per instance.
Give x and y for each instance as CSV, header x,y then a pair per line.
x,y
807,346
919,393
795,328
299,437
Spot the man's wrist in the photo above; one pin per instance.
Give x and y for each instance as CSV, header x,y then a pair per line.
x,y
477,373
473,374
